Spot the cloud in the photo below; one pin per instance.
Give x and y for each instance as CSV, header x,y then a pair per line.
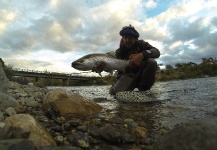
x,y
56,32
150,4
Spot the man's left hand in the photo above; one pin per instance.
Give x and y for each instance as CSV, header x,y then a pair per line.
x,y
136,59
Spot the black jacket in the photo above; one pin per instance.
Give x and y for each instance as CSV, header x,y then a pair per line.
x,y
140,47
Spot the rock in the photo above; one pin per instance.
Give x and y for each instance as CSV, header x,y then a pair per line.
x,y
9,132
4,82
70,104
81,140
38,134
7,101
20,109
17,144
59,139
30,102
6,132
1,116
10,111
198,134
140,132
111,134
63,148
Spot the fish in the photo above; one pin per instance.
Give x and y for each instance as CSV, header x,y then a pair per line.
x,y
98,62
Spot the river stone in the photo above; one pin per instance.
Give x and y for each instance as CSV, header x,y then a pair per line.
x,y
111,134
38,134
10,111
17,144
198,135
10,132
140,132
4,82
68,103
7,101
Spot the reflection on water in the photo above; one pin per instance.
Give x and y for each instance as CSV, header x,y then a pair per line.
x,y
186,100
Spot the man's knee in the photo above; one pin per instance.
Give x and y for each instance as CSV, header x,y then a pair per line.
x,y
151,62
149,65
126,82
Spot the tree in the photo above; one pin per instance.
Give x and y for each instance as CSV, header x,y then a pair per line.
x,y
169,67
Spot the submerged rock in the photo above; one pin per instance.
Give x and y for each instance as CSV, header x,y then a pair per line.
x,y
68,103
198,134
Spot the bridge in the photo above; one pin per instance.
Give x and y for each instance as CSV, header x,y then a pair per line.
x,y
50,75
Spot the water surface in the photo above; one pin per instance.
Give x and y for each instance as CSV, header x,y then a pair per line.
x,y
184,100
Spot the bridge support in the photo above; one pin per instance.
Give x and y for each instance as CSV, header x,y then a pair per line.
x,y
66,82
36,79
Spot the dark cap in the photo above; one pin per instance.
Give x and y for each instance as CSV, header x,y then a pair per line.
x,y
129,30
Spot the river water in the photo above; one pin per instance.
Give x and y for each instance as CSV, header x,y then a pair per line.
x,y
183,100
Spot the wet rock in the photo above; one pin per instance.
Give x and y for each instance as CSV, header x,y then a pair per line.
x,y
82,128
70,104
59,139
81,140
107,147
140,132
7,101
116,119
63,148
198,134
130,123
110,134
94,131
215,113
74,122
17,144
38,134
129,138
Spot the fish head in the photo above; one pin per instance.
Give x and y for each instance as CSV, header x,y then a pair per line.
x,y
85,63
81,64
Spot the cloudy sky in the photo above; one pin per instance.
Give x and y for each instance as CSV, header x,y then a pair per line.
x,y
50,34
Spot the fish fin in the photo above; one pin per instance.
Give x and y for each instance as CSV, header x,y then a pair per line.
x,y
101,66
98,69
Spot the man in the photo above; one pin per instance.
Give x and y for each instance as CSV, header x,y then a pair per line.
x,y
142,69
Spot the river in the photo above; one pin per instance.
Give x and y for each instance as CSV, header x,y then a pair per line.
x,y
183,100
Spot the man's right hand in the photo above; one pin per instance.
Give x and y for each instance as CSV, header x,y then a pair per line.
x,y
136,59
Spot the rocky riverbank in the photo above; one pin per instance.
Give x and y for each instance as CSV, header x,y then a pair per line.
x,y
37,118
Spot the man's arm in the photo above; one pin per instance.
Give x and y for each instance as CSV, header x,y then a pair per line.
x,y
148,50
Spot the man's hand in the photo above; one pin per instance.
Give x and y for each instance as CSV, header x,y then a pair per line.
x,y
136,59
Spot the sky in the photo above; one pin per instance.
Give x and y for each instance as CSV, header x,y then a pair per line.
x,y
47,35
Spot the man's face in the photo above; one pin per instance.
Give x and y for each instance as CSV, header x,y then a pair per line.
x,y
129,41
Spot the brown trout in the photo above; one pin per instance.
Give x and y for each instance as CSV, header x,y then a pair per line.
x,y
98,62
